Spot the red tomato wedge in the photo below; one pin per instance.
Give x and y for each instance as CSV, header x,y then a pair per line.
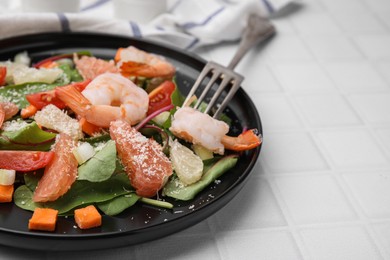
x,y
161,96
42,99
60,173
3,73
24,160
146,164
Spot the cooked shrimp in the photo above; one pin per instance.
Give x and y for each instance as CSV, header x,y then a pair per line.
x,y
107,98
199,128
144,161
91,67
7,110
135,62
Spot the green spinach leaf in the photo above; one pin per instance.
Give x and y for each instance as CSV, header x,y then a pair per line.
x,y
30,137
101,166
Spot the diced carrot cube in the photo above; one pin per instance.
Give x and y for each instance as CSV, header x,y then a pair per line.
x,y
88,127
44,219
87,217
6,192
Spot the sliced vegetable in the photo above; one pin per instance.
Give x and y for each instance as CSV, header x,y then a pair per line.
x,y
87,217
3,73
83,152
89,128
161,96
43,219
24,160
7,177
6,192
28,111
176,189
44,98
202,152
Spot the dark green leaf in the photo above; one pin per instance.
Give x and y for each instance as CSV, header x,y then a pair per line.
x,y
118,204
30,137
101,166
175,189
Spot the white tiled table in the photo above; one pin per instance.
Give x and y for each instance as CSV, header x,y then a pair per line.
x,y
321,189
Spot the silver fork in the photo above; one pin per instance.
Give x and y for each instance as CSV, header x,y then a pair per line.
x,y
258,29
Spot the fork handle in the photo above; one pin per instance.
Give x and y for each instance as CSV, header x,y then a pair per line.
x,y
257,29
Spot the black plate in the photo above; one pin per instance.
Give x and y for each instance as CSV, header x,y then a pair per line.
x,y
140,223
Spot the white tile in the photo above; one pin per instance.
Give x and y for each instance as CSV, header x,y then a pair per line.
x,y
275,111
275,245
314,199
359,23
327,110
384,70
315,23
259,79
372,190
254,207
179,247
382,230
384,17
373,107
378,5
287,47
346,7
340,243
291,152
374,46
384,136
352,148
302,77
339,47
354,76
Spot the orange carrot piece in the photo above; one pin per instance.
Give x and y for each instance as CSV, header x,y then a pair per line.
x,y
87,217
88,127
29,111
44,219
6,192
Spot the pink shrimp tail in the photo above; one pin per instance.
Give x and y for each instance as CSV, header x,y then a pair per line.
x,y
73,99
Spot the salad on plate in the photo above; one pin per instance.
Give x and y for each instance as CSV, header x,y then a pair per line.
x,y
83,136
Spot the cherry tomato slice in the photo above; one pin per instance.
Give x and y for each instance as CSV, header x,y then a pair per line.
x,y
42,99
3,73
24,160
161,96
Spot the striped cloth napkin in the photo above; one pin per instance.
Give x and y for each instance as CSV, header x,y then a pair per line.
x,y
187,24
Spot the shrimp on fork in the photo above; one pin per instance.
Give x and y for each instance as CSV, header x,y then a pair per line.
x,y
134,62
107,98
200,128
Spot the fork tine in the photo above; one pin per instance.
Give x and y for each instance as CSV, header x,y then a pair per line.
x,y
206,70
216,75
236,83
